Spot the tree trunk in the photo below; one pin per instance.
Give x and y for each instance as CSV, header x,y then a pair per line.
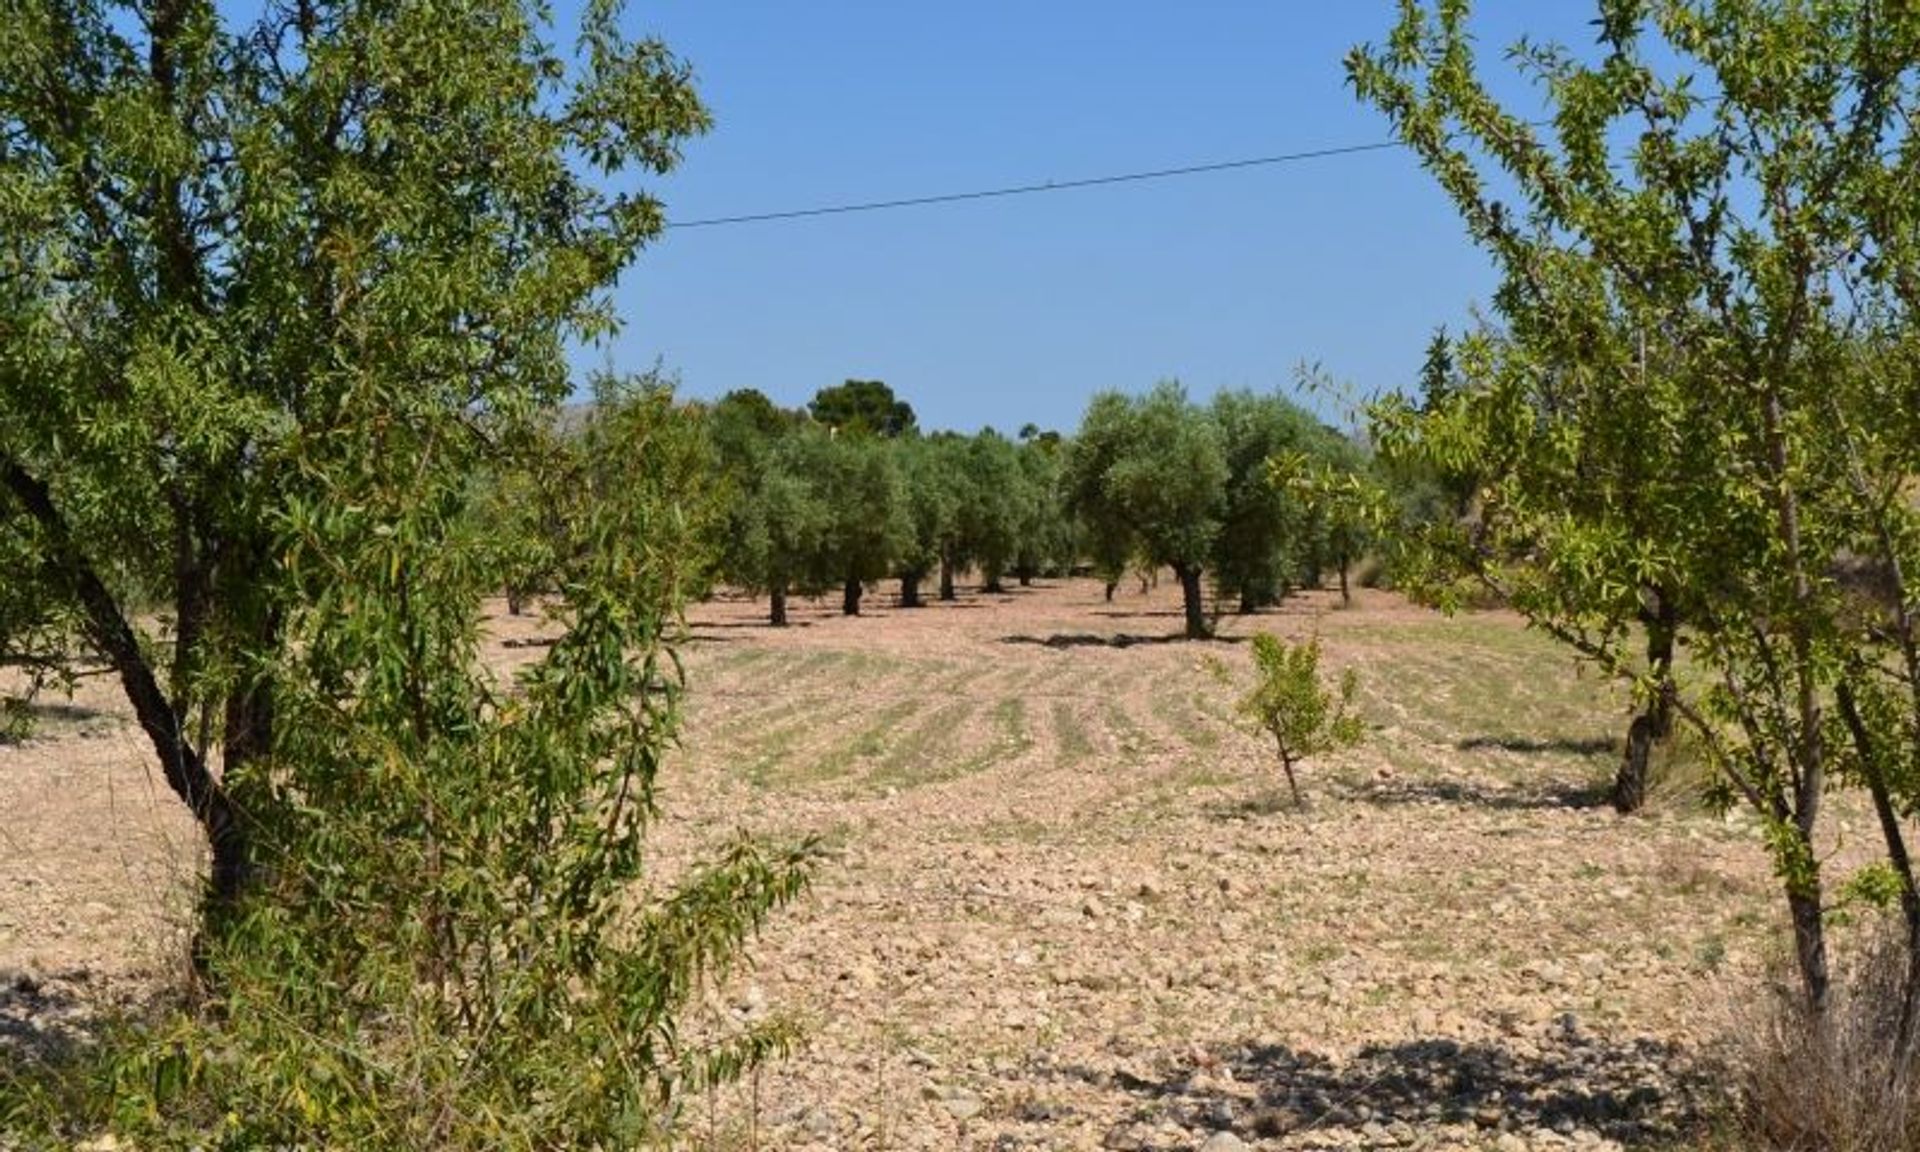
x,y
850,597
1630,784
993,584
182,765
1873,770
1346,596
1026,577
1249,604
778,615
910,591
1111,585
1656,723
1810,950
946,577
1286,763
1190,592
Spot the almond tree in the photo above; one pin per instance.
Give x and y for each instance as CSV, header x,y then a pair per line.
x,y
1700,388
277,283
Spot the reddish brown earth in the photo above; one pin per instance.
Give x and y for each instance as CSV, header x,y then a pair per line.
x,y
1065,905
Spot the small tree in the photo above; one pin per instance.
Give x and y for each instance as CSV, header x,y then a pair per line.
x,y
1289,703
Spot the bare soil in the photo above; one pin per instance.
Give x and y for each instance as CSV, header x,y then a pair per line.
x,y
1066,904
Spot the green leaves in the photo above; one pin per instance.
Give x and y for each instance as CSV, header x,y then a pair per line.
x,y
1289,703
1681,417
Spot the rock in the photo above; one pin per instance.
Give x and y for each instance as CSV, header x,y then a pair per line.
x,y
1376,1133
1487,1116
1509,1142
963,1105
1224,1142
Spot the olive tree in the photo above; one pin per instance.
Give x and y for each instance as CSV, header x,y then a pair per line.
x,y
864,516
1152,467
990,513
1258,552
774,519
1699,391
930,485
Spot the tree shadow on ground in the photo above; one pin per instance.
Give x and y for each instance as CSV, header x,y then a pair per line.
x,y
1527,797
40,713
1140,613
1588,746
43,1018
1637,1092
1117,640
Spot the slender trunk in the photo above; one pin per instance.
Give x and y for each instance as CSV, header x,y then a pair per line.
x,y
1026,577
1286,764
778,615
183,765
1346,596
1190,593
1111,585
910,590
850,597
1810,948
1249,603
946,577
992,575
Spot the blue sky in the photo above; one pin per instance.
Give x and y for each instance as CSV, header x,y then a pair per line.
x,y
1015,310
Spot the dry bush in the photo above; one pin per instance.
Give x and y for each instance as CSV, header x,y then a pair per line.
x,y
1801,1091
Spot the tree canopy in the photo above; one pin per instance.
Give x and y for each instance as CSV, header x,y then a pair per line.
x,y
277,287
1152,467
862,406
1696,392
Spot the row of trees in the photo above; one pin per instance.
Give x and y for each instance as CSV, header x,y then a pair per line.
x,y
1250,491
812,505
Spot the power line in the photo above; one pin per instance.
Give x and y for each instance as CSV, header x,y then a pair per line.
x,y
1031,189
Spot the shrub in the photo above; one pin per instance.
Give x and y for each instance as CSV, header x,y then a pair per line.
x,y
1831,1088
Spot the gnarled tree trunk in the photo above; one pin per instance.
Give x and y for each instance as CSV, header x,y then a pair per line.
x,y
1191,595
850,596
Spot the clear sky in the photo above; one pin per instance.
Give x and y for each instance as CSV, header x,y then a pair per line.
x,y
1006,311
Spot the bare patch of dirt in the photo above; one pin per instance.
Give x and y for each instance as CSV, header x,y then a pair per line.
x,y
1067,905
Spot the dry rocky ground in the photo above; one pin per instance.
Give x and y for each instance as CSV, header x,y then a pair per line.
x,y
1065,905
